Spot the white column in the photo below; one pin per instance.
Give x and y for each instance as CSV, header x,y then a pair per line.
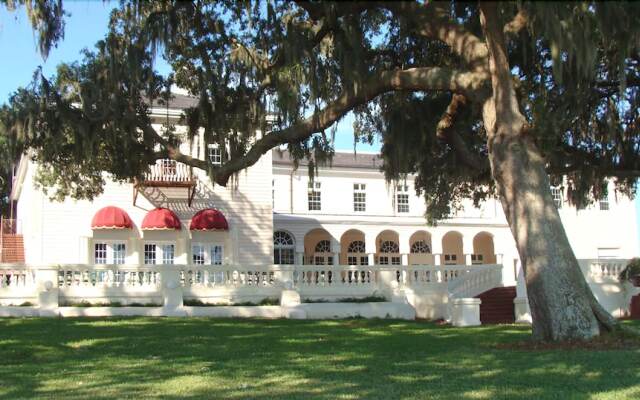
x,y
370,245
335,249
405,258
467,259
436,246
404,247
467,246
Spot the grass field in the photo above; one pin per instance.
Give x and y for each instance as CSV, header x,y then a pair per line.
x,y
283,359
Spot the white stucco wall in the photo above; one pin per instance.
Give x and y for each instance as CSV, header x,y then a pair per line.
x,y
60,232
592,232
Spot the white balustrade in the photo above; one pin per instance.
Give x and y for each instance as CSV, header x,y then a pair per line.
x,y
117,276
335,276
476,280
209,276
606,268
169,171
219,283
17,277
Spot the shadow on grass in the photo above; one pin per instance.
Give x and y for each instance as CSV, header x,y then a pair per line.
x,y
283,359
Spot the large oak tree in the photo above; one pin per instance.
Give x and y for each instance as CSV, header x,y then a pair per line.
x,y
476,99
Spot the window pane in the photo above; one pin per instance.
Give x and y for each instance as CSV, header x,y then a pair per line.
x,y
119,253
403,203
556,193
197,252
359,197
100,253
314,196
215,154
150,254
216,255
168,254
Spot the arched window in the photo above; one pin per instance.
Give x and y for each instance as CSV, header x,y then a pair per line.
x,y
419,246
357,246
283,248
389,246
323,246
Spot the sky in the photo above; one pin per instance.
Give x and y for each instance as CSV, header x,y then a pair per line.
x,y
84,27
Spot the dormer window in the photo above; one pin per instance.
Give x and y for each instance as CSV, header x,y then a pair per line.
x,y
215,154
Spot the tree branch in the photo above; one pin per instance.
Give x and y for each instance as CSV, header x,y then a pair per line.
x,y
445,131
416,79
434,23
518,23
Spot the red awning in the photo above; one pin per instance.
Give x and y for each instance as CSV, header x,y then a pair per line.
x,y
161,219
111,218
209,220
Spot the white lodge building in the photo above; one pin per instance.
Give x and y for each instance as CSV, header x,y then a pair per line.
x,y
348,233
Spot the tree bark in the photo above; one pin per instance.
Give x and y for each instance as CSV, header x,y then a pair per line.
x,y
562,305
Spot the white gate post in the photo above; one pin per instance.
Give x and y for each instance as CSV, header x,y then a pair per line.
x,y
171,292
47,287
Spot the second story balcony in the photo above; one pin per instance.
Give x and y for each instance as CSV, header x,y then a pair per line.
x,y
168,173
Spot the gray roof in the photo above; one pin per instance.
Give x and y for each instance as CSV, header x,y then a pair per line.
x,y
177,102
340,160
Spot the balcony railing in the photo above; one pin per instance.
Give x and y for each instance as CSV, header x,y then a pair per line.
x,y
168,172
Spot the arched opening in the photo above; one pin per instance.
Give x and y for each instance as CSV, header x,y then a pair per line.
x,y
483,250
452,248
420,249
388,249
353,249
317,247
284,247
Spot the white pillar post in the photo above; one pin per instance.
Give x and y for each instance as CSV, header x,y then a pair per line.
x,y
335,249
467,259
436,247
404,247
171,291
467,247
47,287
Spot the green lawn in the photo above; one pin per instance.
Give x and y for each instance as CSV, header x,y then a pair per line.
x,y
283,359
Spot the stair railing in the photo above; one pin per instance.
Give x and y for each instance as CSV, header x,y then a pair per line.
x,y
477,280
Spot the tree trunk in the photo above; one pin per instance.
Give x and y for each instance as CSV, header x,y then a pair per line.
x,y
562,305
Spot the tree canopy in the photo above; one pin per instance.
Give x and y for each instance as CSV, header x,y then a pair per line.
x,y
575,65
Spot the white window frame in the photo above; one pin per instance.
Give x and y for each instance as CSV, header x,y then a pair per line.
x,y
110,250
314,196
359,197
214,153
207,253
402,191
159,252
604,204
557,195
280,249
